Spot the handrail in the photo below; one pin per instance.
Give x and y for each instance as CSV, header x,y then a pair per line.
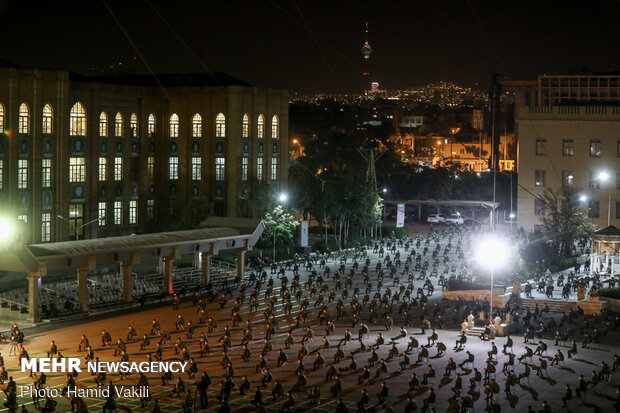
x,y
223,264
12,303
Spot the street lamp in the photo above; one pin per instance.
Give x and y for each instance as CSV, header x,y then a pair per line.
x,y
603,176
76,229
491,253
583,198
282,198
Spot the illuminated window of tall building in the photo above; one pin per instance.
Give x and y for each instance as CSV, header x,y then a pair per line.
x,y
173,167
196,168
77,169
150,167
133,212
275,127
245,130
174,125
77,120
23,124
102,212
151,125
118,168
1,118
46,173
220,169
244,169
260,127
76,217
259,168
47,119
1,173
118,125
197,126
133,124
103,124
150,210
46,227
22,173
23,218
103,169
118,213
220,125
274,169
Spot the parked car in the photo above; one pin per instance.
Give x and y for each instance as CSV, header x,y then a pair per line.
x,y
436,219
455,219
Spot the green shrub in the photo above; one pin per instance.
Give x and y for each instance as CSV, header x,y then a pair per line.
x,y
610,292
399,233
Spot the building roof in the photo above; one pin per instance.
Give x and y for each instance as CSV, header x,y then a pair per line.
x,y
166,79
448,203
609,231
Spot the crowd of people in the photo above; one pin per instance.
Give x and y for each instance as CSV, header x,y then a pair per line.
x,y
351,323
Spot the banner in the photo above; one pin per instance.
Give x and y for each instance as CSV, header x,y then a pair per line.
x,y
303,242
400,215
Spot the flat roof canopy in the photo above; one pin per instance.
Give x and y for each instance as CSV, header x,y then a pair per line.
x,y
447,203
238,233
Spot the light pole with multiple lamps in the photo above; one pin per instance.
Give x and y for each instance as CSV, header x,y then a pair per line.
x,y
491,253
282,198
76,228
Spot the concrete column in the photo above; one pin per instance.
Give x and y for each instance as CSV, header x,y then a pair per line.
x,y
592,263
83,289
126,268
241,261
168,265
34,294
206,267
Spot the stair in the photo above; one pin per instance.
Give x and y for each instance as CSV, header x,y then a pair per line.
x,y
554,305
475,331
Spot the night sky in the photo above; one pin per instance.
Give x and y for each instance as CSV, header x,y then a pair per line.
x,y
310,46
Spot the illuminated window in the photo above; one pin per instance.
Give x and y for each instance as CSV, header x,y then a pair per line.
x,y
150,167
150,210
118,125
23,125
1,118
118,168
259,169
118,213
77,170
77,120
594,209
133,125
568,147
102,210
174,126
539,206
595,148
595,180
197,126
76,217
541,146
46,173
22,173
1,173
245,131
274,169
220,125
540,177
220,169
133,212
260,127
244,169
275,127
173,167
23,218
46,227
567,179
196,168
103,124
47,119
103,169
151,125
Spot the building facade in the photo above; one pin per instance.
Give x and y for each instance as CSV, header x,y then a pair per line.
x,y
94,157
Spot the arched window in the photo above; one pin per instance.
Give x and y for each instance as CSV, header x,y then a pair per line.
x,y
77,120
133,124
220,125
23,125
260,127
246,126
197,126
174,126
118,125
103,124
275,127
1,118
47,119
151,124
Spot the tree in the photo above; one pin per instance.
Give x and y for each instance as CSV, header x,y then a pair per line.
x,y
280,225
191,215
258,201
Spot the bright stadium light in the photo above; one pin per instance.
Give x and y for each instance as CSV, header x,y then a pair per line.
x,y
283,197
491,253
6,229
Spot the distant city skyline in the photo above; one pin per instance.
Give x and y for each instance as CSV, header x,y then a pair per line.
x,y
310,47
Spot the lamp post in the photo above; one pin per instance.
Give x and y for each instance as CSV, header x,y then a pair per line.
x,y
76,229
282,198
603,176
491,253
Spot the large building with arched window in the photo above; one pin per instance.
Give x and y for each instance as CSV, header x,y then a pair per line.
x,y
91,157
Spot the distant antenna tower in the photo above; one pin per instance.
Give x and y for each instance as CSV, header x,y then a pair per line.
x,y
366,51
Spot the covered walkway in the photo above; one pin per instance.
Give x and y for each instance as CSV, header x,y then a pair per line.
x,y
84,256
